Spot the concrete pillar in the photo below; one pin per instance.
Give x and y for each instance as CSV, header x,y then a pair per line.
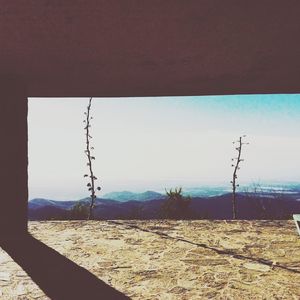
x,y
13,157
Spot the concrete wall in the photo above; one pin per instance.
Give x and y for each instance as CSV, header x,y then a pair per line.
x,y
13,157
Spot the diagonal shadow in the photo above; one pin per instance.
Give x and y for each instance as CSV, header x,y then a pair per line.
x,y
59,277
218,251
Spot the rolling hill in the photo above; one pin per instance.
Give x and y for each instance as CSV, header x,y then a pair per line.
x,y
249,206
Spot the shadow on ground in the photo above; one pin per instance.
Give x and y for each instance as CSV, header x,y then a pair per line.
x,y
56,275
218,251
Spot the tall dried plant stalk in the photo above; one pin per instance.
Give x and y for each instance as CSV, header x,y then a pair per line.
x,y
236,166
91,176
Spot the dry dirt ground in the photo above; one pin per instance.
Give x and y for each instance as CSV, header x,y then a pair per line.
x,y
172,259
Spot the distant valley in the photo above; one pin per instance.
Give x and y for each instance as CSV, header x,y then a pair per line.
x,y
206,203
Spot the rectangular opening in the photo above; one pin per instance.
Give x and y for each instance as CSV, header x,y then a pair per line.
x,y
145,147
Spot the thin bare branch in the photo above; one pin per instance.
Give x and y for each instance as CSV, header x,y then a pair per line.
x,y
234,175
92,177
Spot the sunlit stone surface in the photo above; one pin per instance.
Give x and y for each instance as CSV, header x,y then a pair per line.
x,y
172,259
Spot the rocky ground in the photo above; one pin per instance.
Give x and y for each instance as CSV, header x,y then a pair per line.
x,y
172,259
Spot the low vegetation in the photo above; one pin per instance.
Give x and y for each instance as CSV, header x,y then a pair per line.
x,y
80,211
176,205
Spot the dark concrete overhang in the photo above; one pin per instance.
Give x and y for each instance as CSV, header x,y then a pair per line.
x,y
142,48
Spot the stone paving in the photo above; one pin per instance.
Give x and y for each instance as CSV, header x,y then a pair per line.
x,y
172,259
15,284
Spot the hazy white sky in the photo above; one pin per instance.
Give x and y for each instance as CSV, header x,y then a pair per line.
x,y
153,143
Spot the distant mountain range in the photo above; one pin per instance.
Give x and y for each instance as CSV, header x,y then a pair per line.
x,y
130,196
267,204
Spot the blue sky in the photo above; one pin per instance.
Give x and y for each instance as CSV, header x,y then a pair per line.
x,y
153,143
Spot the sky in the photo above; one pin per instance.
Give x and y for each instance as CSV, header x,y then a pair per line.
x,y
160,142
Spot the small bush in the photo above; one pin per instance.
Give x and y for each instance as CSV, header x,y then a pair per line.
x,y
79,211
176,206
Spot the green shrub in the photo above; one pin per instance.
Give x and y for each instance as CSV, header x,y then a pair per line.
x,y
79,211
176,206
